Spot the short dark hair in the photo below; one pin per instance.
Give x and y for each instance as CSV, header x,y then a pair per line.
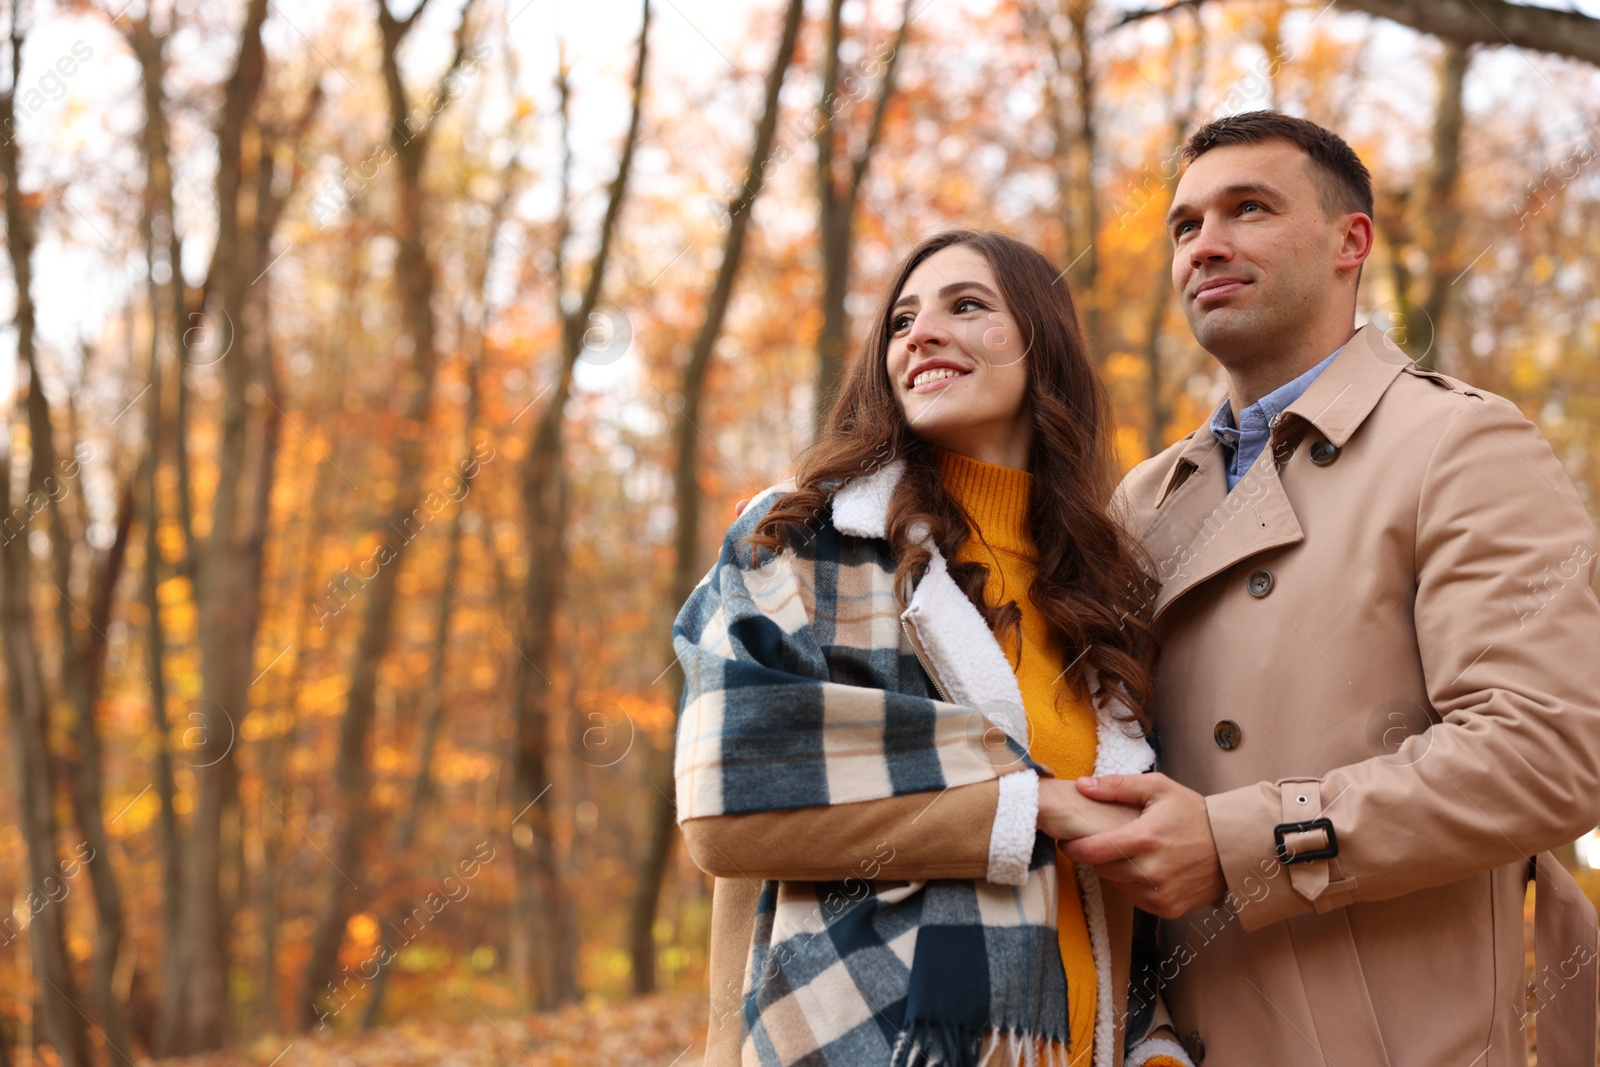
x,y
1339,172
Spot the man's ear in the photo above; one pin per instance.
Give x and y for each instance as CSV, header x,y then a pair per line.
x,y
1355,242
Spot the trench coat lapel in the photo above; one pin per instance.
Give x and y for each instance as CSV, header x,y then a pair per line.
x,y
1342,397
1201,529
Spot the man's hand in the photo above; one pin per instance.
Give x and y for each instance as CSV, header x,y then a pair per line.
x,y
1165,861
1065,813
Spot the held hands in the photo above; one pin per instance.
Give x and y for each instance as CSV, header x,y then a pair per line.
x,y
1065,813
1165,859
1143,833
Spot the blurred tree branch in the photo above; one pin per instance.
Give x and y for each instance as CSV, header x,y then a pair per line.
x,y
1489,22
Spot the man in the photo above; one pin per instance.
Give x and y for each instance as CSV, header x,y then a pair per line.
x,y
1380,679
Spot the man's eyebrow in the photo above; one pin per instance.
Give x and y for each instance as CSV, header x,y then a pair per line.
x,y
1226,192
944,291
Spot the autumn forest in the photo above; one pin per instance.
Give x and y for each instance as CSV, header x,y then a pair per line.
x,y
386,373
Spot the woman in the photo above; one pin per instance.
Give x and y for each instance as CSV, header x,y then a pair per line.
x,y
895,651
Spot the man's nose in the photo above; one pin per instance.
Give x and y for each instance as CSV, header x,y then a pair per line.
x,y
1209,246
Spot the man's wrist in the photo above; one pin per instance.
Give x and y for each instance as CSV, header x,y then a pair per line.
x,y
1258,885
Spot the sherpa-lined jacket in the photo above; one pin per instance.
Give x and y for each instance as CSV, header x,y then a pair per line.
x,y
971,818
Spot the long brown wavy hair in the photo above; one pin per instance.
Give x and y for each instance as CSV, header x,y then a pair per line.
x,y
1090,583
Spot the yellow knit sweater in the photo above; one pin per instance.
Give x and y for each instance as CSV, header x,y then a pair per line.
x,y
1061,727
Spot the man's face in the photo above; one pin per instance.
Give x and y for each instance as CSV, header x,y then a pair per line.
x,y
1256,255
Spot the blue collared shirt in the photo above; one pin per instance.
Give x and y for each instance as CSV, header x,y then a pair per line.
x,y
1242,444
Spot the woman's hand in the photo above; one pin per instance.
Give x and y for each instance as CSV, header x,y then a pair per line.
x,y
1065,814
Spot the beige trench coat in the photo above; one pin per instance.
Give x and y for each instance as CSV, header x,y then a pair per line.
x,y
1388,624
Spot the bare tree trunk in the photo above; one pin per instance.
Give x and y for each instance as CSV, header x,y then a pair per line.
x,y
271,189
158,212
1440,225
433,716
1074,149
194,1010
58,1021
542,910
1155,396
262,464
149,48
83,674
1083,206
1039,19
433,696
1161,290
155,673
275,751
82,661
1427,218
686,568
81,664
273,754
415,272
837,206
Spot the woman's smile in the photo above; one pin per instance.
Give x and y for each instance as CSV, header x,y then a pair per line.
x,y
935,378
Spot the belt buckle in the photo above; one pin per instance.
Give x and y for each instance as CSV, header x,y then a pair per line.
x,y
1286,857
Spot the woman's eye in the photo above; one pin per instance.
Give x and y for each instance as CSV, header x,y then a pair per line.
x,y
962,304
899,323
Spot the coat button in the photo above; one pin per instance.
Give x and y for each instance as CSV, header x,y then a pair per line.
x,y
1194,1046
1228,735
1260,583
1324,453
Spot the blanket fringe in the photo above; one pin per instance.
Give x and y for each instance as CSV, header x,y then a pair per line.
x,y
956,1046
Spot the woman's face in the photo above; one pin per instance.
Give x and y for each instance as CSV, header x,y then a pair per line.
x,y
957,360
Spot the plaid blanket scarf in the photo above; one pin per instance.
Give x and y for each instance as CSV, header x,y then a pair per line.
x,y
801,692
